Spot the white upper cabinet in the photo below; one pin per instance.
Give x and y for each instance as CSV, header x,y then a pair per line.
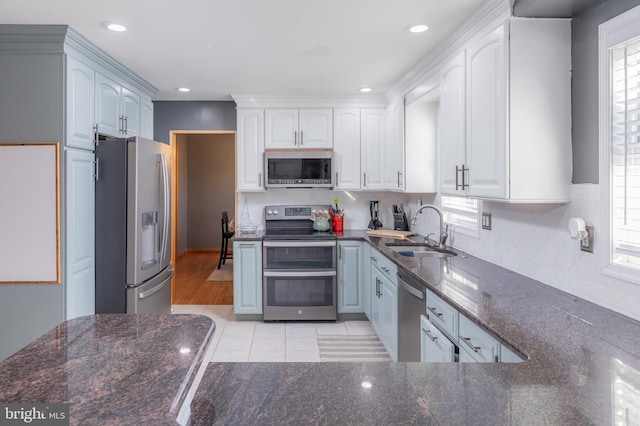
x,y
130,112
486,117
452,124
372,147
108,106
516,121
117,108
80,103
281,128
298,128
316,128
250,149
346,148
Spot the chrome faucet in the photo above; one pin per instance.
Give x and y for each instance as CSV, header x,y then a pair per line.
x,y
443,231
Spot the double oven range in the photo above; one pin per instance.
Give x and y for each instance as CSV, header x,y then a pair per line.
x,y
299,266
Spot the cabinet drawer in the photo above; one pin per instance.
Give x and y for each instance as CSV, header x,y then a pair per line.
x,y
477,343
434,345
386,266
442,315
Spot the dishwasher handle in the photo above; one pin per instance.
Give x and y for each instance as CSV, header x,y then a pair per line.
x,y
409,288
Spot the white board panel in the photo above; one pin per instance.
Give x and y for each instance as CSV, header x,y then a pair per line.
x,y
29,213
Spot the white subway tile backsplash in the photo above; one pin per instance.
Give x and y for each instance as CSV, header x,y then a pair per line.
x,y
530,239
533,240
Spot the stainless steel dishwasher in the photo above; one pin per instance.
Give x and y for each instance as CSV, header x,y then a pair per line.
x,y
411,304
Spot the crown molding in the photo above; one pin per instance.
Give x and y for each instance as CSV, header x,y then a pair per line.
x,y
248,101
488,13
77,42
62,39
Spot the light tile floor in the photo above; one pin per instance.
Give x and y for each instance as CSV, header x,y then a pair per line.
x,y
255,341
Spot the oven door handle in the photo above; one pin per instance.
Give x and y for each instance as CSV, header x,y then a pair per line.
x,y
299,243
328,273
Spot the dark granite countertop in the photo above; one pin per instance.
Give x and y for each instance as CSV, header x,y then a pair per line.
x,y
112,369
583,364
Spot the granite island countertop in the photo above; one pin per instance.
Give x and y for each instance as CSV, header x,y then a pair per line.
x,y
582,367
112,369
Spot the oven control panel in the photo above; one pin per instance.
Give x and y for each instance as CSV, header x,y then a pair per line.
x,y
291,212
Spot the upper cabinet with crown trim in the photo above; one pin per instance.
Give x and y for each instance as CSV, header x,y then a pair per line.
x,y
517,115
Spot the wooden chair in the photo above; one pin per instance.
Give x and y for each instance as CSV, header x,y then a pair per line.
x,y
226,236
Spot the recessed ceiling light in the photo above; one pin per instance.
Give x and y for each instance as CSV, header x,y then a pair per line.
x,y
183,89
418,28
114,26
366,89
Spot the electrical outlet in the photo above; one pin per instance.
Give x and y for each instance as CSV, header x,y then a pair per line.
x,y
486,221
586,244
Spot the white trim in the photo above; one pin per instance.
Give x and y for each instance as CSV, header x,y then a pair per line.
x,y
486,17
248,101
609,34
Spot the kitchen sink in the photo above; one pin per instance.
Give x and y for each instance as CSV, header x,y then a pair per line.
x,y
419,250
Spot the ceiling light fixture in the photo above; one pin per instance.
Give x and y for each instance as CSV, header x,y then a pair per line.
x,y
183,89
114,26
418,28
366,89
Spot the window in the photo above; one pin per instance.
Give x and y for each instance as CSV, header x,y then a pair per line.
x,y
620,141
462,214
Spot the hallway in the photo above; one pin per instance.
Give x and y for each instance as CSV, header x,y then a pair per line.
x,y
191,286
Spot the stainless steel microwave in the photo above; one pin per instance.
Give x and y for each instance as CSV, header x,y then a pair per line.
x,y
298,169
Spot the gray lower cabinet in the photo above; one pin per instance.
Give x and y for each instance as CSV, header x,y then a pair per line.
x,y
507,355
247,277
350,277
434,345
384,302
442,315
366,279
476,345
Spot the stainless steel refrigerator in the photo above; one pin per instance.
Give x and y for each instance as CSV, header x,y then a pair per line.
x,y
133,212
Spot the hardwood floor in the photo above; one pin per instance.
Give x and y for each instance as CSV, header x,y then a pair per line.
x,y
191,286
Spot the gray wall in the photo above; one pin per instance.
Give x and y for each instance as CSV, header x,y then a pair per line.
x,y
192,115
584,85
31,101
211,187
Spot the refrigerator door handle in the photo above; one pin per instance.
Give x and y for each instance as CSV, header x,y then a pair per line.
x,y
145,294
165,193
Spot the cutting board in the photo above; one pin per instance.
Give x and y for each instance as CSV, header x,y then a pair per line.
x,y
390,233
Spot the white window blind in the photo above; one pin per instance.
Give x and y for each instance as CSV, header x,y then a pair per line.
x,y
462,214
625,154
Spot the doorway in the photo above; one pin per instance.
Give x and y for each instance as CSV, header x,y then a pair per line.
x,y
203,185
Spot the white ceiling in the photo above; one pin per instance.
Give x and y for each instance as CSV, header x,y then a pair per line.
x,y
256,47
